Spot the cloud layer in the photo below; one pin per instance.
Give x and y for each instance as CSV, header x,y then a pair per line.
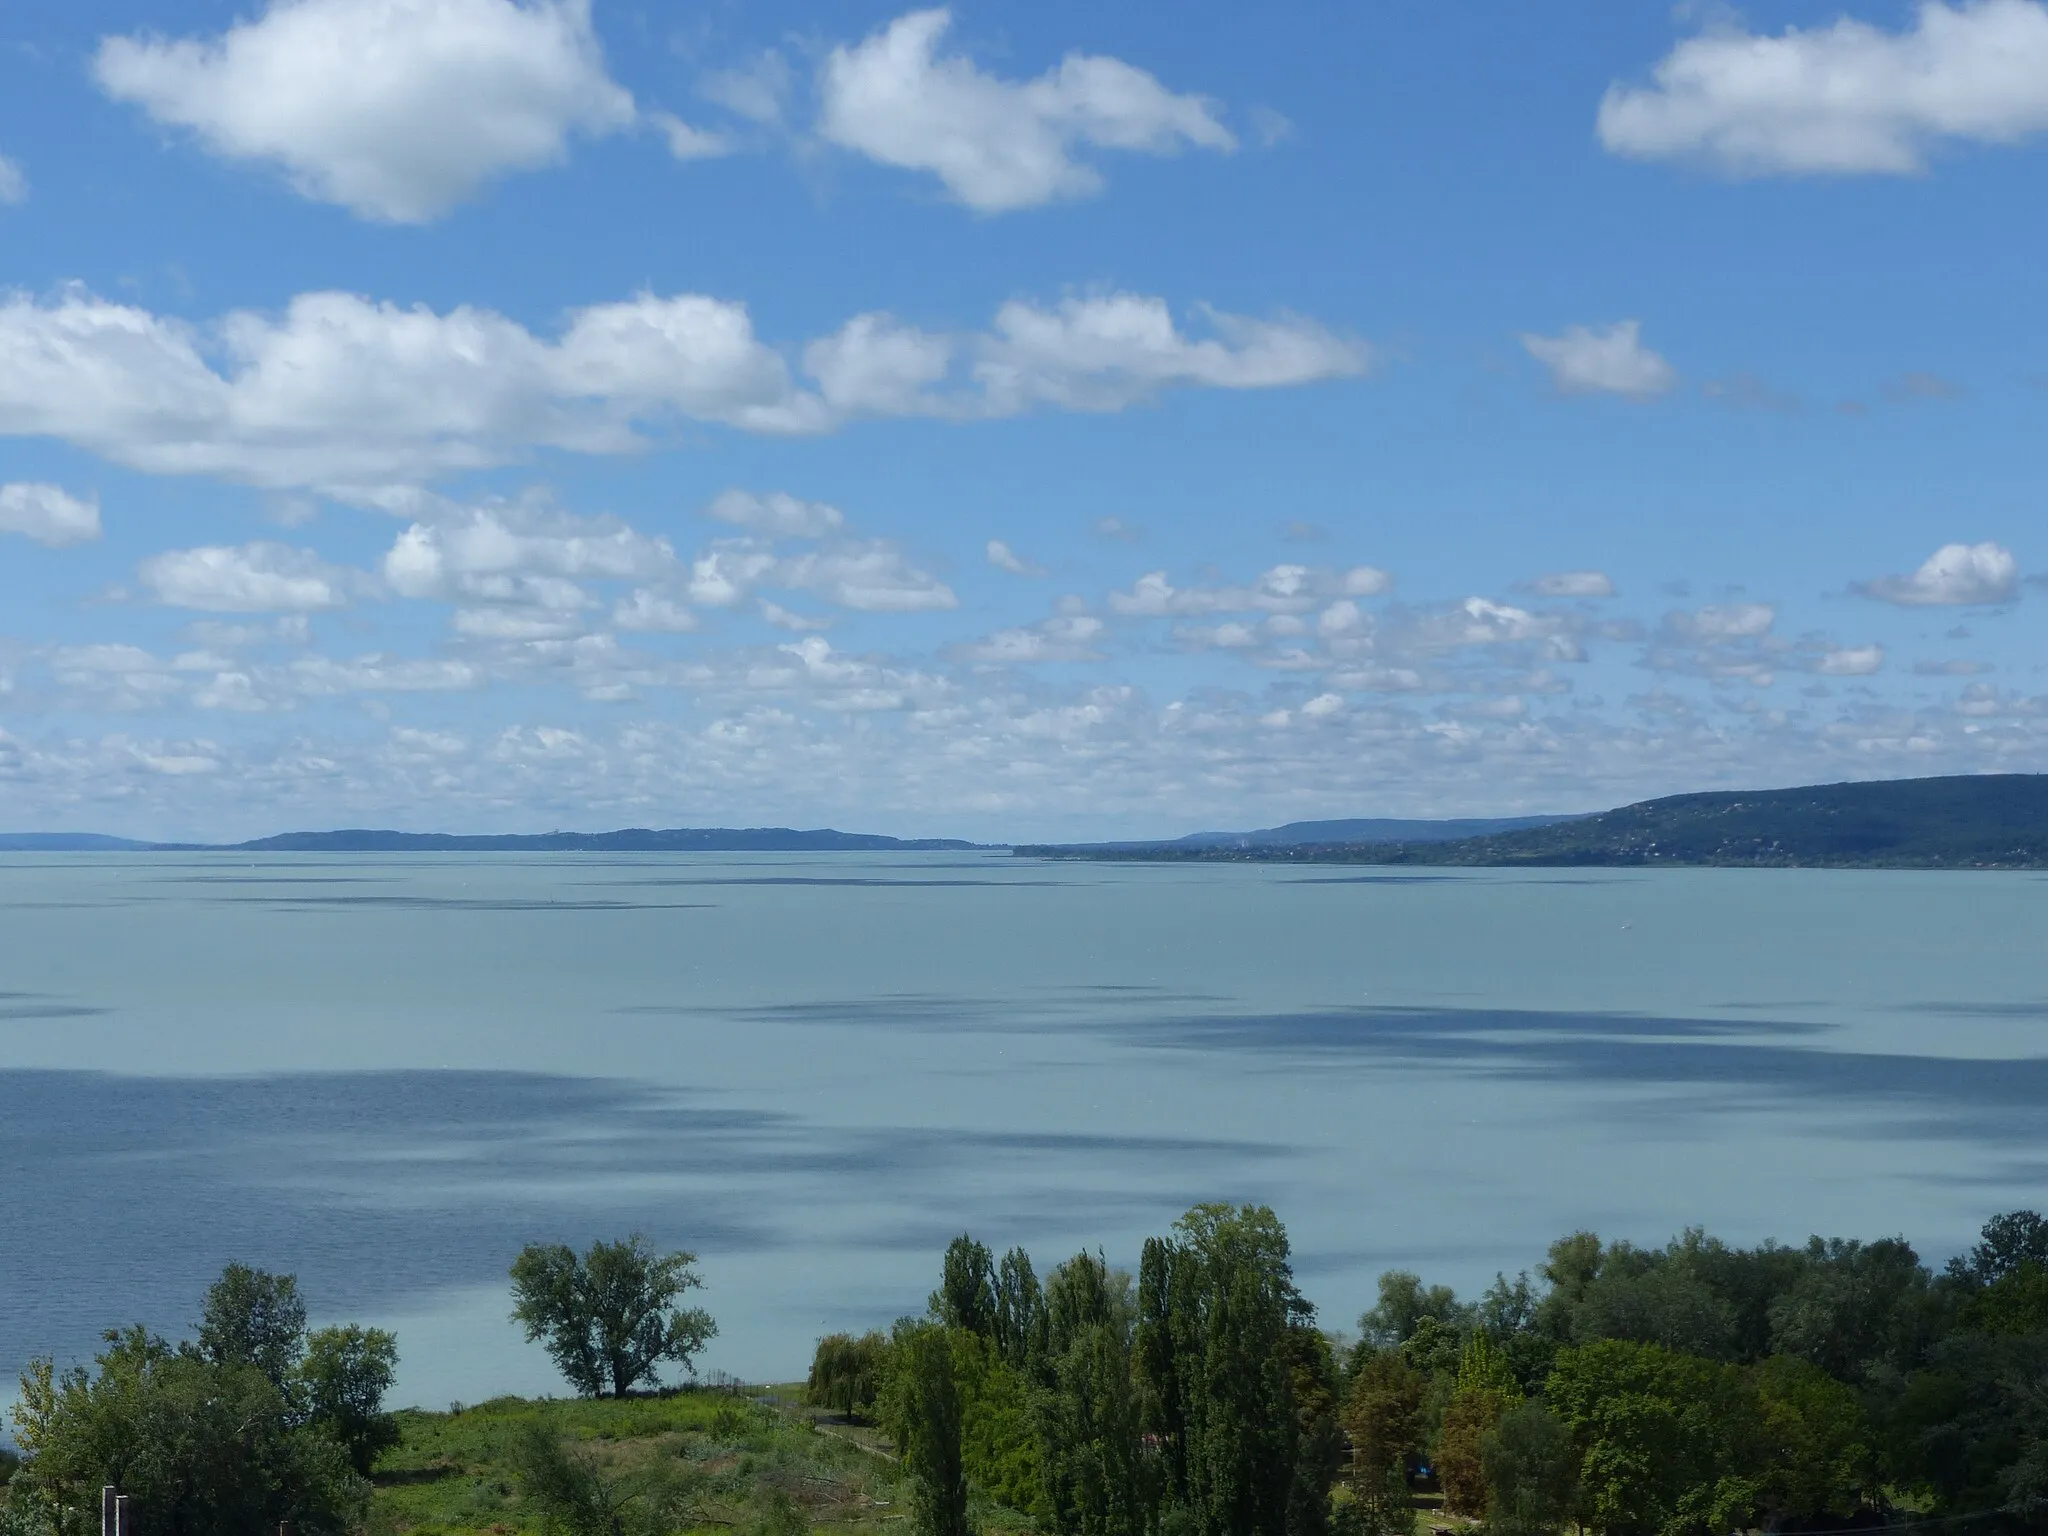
x,y
997,144
341,391
395,109
1847,98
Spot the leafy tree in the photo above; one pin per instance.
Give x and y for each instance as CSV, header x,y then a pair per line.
x,y
1404,1305
1666,1441
1484,1390
2007,1241
1816,1442
206,1447
924,1414
341,1383
1383,1417
966,1297
1020,1311
2015,1303
609,1319
1532,1473
1319,1430
253,1317
999,1437
847,1372
1094,1477
1854,1307
1216,1303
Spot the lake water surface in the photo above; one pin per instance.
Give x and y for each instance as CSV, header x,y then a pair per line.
x,y
387,1073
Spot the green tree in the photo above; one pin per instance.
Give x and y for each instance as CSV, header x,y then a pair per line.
x,y
205,1447
609,1318
1855,1307
1667,1442
1532,1473
1404,1305
1484,1390
1088,1412
999,1442
253,1317
1020,1311
1816,1444
341,1383
924,1415
966,1297
1216,1303
576,1493
2007,1241
1383,1417
847,1372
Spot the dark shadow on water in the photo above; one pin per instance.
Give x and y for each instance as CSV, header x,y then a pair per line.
x,y
1708,1064
832,880
469,904
122,1197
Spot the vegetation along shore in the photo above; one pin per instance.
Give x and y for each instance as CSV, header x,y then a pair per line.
x,y
1693,1389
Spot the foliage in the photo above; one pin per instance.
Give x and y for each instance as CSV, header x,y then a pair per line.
x,y
923,1412
1216,1306
1404,1304
206,1447
1095,1481
1532,1472
966,1297
341,1382
847,1372
609,1318
254,1318
1383,1416
1485,1388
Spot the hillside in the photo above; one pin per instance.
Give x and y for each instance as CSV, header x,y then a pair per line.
x,y
1988,821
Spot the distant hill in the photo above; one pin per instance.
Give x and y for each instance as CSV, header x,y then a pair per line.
x,y
1977,821
1367,829
631,840
63,842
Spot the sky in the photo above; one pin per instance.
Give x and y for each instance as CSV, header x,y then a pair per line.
x,y
1010,421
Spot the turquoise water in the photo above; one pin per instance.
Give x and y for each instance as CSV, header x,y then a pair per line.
x,y
387,1073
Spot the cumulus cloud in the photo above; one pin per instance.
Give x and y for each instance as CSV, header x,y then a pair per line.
x,y
1572,584
514,552
650,612
866,575
1843,99
1285,589
777,515
999,144
1955,575
1850,660
13,184
49,514
395,109
1004,558
1064,637
340,392
1602,360
247,578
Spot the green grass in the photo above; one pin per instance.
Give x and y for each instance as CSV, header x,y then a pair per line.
x,y
451,1472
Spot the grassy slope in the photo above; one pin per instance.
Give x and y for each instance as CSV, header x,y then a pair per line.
x,y
450,1473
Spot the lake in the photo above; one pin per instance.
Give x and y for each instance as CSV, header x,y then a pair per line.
x,y
387,1073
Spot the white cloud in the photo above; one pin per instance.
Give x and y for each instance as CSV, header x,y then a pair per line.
x,y
1730,621
1572,584
999,144
395,109
13,184
1284,589
1106,352
49,514
249,578
870,576
1066,637
1842,99
1850,661
1954,575
1004,558
517,569
1603,360
688,143
778,515
652,613
345,394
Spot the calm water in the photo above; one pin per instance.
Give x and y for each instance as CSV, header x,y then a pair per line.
x,y
387,1073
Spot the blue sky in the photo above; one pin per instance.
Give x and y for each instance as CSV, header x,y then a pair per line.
x,y
1011,421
